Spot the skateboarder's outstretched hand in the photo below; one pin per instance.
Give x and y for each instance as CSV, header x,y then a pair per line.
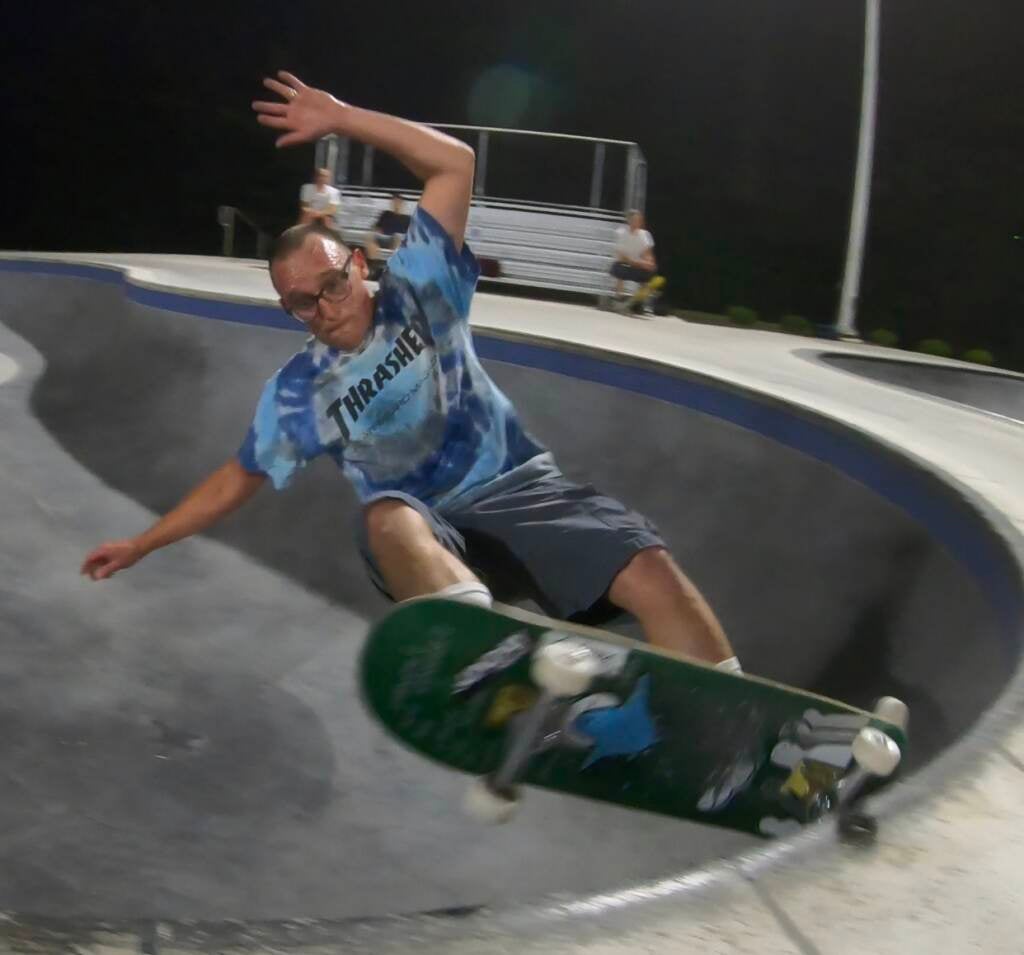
x,y
110,557
306,114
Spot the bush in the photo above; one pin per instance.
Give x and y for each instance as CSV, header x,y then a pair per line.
x,y
797,325
741,315
884,337
980,356
936,347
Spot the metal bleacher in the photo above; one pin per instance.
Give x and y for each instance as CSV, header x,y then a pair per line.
x,y
534,244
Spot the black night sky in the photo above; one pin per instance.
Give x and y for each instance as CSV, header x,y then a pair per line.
x,y
127,123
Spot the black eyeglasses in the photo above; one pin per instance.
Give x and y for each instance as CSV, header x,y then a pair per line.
x,y
336,288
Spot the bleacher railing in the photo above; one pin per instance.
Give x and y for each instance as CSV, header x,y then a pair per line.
x,y
545,244
228,218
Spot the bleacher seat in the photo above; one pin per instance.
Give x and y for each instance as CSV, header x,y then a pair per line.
x,y
555,247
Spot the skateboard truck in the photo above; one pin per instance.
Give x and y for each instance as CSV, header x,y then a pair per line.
x,y
563,668
875,755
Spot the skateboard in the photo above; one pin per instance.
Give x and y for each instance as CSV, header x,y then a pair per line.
x,y
628,305
517,699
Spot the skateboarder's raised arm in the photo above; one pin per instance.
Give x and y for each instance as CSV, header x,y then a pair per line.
x,y
222,492
444,165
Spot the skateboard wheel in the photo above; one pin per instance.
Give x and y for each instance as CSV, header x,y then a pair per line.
x,y
893,711
565,667
482,803
876,752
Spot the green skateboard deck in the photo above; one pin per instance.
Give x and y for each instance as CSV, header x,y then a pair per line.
x,y
653,731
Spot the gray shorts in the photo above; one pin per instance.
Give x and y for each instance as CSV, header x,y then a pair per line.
x,y
534,534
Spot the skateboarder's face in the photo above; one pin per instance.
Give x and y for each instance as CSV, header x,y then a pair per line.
x,y
333,303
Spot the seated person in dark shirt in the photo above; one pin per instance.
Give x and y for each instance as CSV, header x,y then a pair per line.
x,y
388,230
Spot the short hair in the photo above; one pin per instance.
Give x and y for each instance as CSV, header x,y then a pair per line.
x,y
294,238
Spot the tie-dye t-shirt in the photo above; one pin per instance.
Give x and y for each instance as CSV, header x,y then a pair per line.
x,y
411,409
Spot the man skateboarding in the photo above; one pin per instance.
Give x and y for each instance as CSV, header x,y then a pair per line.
x,y
456,496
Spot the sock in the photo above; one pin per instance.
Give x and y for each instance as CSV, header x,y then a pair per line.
x,y
469,592
732,665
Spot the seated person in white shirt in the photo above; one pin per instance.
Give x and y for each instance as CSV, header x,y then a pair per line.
x,y
319,200
634,252
634,255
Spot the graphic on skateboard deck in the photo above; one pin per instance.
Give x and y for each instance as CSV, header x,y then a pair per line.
x,y
515,698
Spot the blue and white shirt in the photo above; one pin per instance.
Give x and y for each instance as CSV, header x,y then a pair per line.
x,y
411,409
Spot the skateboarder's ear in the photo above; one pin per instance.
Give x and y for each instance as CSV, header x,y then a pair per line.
x,y
359,264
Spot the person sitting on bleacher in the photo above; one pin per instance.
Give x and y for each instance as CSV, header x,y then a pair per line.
x,y
388,230
319,201
635,262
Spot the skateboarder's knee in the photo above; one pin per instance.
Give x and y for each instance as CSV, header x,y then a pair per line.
x,y
652,583
391,523
649,574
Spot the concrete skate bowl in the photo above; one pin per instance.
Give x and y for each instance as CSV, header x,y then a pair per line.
x,y
184,744
996,392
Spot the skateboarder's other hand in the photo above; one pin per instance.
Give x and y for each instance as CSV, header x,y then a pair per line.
x,y
110,557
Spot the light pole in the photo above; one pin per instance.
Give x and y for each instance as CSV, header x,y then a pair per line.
x,y
846,326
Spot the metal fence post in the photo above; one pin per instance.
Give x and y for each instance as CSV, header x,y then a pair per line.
x,y
640,182
630,185
337,159
480,180
846,326
368,154
597,178
226,220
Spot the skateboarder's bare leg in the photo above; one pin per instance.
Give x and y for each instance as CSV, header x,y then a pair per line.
x,y
671,610
409,557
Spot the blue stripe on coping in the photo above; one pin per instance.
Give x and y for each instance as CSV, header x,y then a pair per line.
x,y
269,316
111,276
247,314
927,500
